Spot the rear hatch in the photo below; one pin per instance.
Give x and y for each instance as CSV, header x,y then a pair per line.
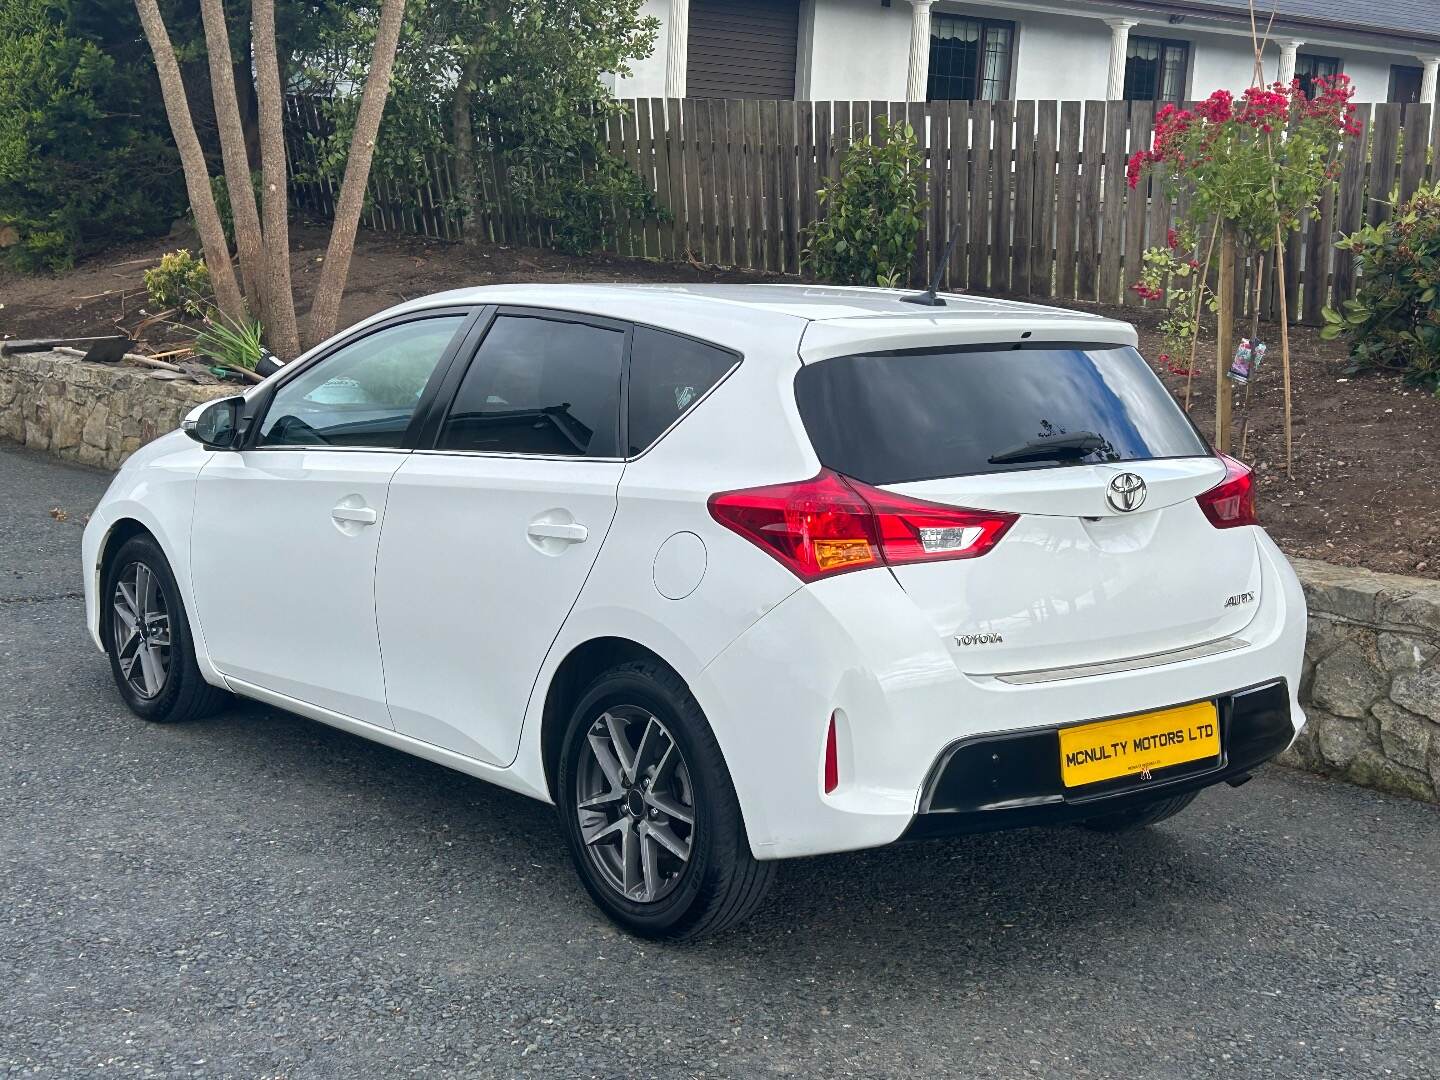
x,y
1111,556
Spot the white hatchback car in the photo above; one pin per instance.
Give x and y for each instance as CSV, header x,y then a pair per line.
x,y
729,574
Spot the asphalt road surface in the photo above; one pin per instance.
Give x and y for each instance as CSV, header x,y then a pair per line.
x,y
257,895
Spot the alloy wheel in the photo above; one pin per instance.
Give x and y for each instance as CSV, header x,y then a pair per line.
x,y
635,803
140,629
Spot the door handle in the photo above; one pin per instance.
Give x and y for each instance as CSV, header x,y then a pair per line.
x,y
571,533
360,515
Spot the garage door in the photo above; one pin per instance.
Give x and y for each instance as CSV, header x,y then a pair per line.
x,y
742,48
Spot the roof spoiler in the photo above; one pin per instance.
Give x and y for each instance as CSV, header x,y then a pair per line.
x,y
928,298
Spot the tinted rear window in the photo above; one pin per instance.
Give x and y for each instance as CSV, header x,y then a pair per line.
x,y
889,418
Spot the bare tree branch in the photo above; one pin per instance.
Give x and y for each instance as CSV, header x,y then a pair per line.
x,y
325,310
281,332
232,149
192,158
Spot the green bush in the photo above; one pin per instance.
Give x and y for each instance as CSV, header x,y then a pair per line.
x,y
85,154
1394,320
180,281
873,214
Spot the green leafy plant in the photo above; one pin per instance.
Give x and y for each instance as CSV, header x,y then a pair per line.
x,y
872,214
515,94
1393,322
1172,276
230,343
180,281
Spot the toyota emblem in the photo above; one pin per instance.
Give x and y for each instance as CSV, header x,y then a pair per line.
x,y
1126,492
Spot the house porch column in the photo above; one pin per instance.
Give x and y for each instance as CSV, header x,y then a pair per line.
x,y
1286,73
917,82
677,47
1119,43
1427,80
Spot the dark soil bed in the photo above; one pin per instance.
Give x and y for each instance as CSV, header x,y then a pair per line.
x,y
1366,478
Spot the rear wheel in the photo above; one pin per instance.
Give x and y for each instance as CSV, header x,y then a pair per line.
x,y
147,638
1137,817
649,811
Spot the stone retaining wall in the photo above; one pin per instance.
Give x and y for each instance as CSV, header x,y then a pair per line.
x,y
96,414
1371,683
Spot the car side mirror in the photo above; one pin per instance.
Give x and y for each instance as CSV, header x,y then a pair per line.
x,y
214,424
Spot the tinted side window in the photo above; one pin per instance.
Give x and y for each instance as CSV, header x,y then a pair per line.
x,y
667,373
363,394
540,386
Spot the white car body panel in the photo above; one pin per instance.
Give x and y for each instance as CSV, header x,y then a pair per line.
x,y
306,627
434,647
460,665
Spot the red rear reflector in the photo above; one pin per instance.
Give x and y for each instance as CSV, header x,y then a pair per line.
x,y
832,759
830,524
1232,501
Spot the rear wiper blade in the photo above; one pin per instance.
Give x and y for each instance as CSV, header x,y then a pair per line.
x,y
1058,447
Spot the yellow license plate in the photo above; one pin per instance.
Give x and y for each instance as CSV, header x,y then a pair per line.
x,y
1136,745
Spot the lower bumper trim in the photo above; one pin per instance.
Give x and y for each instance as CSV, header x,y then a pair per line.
x,y
1013,780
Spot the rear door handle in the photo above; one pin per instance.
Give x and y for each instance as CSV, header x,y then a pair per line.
x,y
360,515
572,533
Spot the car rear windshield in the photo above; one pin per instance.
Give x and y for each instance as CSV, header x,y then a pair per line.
x,y
893,417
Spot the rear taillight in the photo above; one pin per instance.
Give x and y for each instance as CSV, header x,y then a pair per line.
x,y
1232,501
830,524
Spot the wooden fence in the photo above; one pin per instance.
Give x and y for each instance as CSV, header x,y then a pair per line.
x,y
1036,189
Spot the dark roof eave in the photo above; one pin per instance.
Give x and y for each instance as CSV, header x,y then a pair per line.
x,y
1397,37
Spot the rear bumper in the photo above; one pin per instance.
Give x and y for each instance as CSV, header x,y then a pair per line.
x,y
856,648
1011,780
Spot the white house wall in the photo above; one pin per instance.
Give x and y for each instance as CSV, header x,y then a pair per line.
x,y
861,51
647,76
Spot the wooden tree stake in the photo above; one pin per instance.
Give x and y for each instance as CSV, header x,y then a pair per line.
x,y
1224,335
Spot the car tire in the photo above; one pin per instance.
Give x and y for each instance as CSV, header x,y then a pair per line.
x,y
155,671
627,838
1140,816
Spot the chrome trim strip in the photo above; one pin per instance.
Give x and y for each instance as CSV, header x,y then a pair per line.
x,y
1134,663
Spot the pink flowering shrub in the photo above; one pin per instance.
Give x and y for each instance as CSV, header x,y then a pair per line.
x,y
1265,155
1258,161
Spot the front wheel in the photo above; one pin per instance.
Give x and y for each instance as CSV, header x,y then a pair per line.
x,y
649,811
147,637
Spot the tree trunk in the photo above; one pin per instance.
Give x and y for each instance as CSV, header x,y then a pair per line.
x,y
463,135
281,333
325,310
249,119
232,151
192,159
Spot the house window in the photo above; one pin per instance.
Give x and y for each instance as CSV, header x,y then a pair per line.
x,y
1155,69
1405,84
969,58
1309,68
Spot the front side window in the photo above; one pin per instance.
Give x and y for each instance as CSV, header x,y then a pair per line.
x,y
969,58
1155,69
667,374
890,418
1308,68
365,393
540,386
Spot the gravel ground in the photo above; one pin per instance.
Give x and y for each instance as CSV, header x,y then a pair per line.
x,y
261,896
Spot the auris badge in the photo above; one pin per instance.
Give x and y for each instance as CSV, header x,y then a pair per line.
x,y
1126,492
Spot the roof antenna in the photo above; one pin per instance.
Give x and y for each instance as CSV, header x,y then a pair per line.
x,y
928,297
